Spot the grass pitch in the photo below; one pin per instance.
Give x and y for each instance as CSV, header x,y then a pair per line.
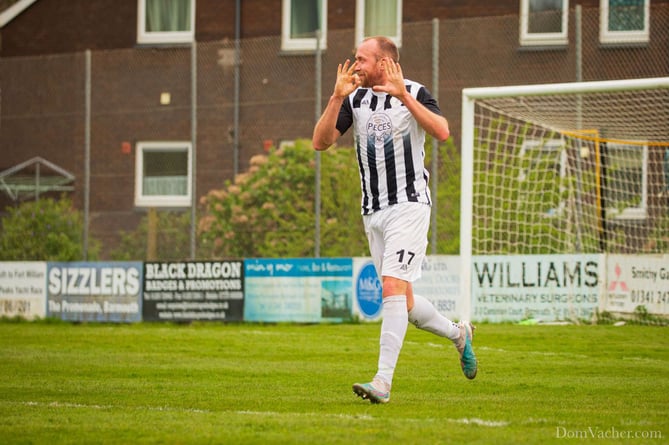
x,y
259,384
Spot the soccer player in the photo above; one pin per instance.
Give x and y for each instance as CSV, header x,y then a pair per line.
x,y
389,116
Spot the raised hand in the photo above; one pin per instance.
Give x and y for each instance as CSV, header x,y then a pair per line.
x,y
394,84
347,79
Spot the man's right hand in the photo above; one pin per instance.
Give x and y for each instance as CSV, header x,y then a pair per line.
x,y
347,79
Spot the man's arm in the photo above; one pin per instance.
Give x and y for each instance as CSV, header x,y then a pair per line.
x,y
433,123
325,131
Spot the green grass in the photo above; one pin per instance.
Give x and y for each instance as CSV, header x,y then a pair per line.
x,y
245,383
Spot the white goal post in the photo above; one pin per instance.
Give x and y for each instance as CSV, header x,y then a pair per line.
x,y
565,168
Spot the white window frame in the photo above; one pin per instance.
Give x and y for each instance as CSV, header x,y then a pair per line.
x,y
146,37
547,145
360,24
142,200
607,36
640,212
303,44
547,38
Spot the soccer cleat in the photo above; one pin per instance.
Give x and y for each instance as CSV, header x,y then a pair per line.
x,y
367,391
464,346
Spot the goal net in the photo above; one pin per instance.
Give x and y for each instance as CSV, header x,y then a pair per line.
x,y
572,169
566,168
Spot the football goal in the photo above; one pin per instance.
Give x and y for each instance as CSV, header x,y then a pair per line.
x,y
565,168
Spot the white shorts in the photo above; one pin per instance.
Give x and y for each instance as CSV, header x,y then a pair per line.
x,y
397,238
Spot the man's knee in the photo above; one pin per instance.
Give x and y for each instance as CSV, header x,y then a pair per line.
x,y
394,286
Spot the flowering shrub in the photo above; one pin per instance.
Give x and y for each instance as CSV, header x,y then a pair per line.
x,y
269,210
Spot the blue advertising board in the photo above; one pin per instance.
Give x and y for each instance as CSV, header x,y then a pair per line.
x,y
298,290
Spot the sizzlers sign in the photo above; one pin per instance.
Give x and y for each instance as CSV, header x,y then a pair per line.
x,y
543,287
94,291
190,291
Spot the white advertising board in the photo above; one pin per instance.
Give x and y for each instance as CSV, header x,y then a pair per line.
x,y
23,289
637,280
440,283
546,288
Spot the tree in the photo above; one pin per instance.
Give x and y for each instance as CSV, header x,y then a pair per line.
x,y
45,229
269,211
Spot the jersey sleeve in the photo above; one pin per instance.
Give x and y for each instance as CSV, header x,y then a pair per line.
x,y
345,118
428,101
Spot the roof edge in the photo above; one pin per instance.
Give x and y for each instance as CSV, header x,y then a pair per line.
x,y
17,8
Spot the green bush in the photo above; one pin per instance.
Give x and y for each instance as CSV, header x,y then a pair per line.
x,y
658,239
172,238
43,230
447,202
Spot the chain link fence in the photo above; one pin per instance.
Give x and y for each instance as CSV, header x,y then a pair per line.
x,y
228,101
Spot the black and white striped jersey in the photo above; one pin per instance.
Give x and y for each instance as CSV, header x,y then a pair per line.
x,y
389,146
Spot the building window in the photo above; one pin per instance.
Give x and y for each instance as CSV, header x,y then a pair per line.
x,y
163,174
161,21
626,188
378,18
624,21
542,172
543,22
301,20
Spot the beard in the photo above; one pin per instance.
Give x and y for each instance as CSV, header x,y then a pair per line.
x,y
366,81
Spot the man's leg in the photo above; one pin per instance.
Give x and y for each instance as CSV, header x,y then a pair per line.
x,y
393,327
425,316
393,330
397,240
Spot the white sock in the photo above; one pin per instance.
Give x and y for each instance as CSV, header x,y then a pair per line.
x,y
425,316
393,330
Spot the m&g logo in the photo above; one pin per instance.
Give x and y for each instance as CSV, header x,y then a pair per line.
x,y
369,291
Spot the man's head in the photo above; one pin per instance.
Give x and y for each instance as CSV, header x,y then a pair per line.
x,y
369,58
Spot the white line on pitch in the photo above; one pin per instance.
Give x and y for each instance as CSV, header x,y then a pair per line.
x,y
465,421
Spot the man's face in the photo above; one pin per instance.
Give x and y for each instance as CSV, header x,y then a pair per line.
x,y
368,64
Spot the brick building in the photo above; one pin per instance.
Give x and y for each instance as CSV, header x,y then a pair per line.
x,y
115,85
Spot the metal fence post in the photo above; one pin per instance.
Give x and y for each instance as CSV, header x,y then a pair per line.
x,y
237,57
317,187
435,142
579,125
193,214
87,150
